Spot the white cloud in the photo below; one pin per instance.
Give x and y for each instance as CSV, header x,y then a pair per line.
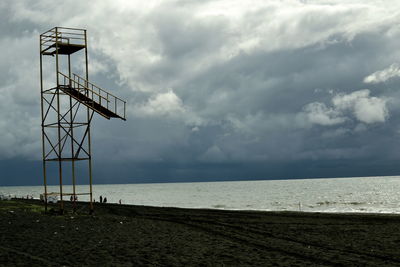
x,y
162,104
359,104
365,108
166,104
319,113
383,75
371,110
346,101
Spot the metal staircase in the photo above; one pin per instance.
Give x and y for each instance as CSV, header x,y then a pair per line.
x,y
92,96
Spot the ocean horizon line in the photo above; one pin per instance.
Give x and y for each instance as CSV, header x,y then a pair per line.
x,y
213,181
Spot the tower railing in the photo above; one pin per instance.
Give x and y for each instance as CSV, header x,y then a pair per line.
x,y
96,94
60,36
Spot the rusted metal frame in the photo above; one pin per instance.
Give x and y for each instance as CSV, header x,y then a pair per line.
x,y
69,111
124,110
57,34
50,38
51,125
52,146
116,108
79,144
51,101
83,139
65,115
46,38
43,132
47,35
71,38
73,106
108,100
49,90
65,137
43,51
59,131
50,105
74,29
75,125
89,119
74,116
79,124
46,48
74,33
67,159
67,133
76,111
50,143
51,30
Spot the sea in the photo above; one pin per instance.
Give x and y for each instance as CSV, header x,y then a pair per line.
x,y
342,195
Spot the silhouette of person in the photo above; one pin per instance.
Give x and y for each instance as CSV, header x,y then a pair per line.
x,y
101,199
105,200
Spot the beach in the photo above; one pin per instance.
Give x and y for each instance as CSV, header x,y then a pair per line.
x,y
128,235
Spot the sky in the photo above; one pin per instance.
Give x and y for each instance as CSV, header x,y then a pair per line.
x,y
216,90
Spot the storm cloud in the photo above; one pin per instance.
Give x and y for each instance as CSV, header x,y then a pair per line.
x,y
220,89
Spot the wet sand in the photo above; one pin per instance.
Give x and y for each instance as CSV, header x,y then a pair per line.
x,y
124,235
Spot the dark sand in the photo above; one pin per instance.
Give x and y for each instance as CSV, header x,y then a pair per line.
x,y
122,235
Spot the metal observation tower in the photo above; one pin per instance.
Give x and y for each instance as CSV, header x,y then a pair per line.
x,y
68,103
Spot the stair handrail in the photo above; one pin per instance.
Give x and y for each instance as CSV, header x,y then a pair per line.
x,y
116,99
84,87
76,75
77,80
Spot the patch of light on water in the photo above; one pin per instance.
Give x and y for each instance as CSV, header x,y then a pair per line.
x,y
365,194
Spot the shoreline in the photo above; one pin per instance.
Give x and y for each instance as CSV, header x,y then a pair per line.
x,y
344,212
361,195
355,212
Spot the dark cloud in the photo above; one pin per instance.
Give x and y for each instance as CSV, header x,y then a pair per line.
x,y
218,90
